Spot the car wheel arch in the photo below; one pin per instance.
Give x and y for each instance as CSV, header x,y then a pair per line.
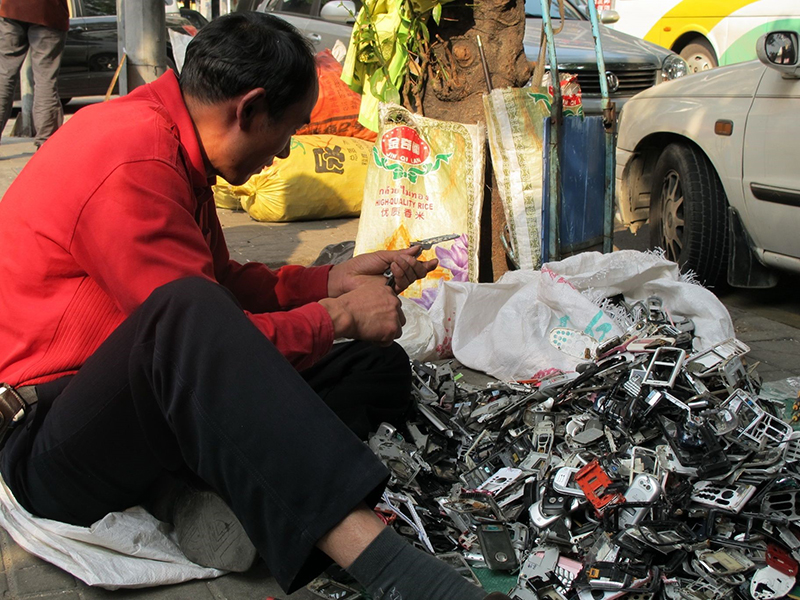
x,y
634,193
688,194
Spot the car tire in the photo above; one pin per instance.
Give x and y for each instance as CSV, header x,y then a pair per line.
x,y
689,213
699,55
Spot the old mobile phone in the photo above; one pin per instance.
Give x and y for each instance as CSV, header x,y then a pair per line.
x,y
554,502
331,590
564,482
643,490
495,542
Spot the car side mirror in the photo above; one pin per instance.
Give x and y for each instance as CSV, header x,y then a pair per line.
x,y
339,11
779,50
607,17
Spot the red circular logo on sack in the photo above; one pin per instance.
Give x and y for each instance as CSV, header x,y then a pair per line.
x,y
405,145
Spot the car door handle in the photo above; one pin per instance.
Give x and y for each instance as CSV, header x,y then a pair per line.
x,y
314,37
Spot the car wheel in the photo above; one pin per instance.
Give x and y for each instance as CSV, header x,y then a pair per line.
x,y
700,56
689,212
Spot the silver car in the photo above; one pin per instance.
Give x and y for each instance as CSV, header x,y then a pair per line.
x,y
632,65
711,162
322,21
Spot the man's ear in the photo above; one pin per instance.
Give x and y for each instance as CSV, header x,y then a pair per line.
x,y
250,105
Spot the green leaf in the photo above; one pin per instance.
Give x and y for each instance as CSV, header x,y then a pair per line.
x,y
375,80
391,95
423,27
437,13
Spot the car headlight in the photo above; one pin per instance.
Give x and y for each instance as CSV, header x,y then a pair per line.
x,y
673,67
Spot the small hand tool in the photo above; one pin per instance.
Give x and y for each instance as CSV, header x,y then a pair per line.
x,y
425,244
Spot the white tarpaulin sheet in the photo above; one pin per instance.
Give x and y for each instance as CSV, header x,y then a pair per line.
x,y
506,329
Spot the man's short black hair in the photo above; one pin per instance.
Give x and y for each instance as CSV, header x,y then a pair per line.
x,y
238,52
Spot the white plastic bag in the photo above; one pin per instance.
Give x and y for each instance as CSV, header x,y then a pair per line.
x,y
129,549
504,328
179,41
508,329
638,275
418,330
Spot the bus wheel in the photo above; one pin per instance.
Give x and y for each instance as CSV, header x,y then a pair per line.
x,y
700,56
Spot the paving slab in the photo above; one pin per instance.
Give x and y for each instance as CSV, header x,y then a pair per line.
x,y
279,244
774,345
14,155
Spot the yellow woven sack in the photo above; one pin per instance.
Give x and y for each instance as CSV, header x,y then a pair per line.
x,y
322,178
225,196
425,180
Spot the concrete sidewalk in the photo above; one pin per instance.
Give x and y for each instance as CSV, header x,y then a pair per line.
x,y
775,345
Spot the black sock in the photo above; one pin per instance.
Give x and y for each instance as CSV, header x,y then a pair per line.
x,y
392,569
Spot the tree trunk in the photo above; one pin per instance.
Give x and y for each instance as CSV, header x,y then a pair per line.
x,y
456,84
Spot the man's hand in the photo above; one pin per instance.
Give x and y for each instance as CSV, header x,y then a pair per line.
x,y
371,313
368,269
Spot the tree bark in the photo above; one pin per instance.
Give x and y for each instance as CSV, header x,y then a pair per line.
x,y
456,83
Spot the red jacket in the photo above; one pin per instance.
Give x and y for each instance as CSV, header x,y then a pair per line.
x,y
115,204
50,13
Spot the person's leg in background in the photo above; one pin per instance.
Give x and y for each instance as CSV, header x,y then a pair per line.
x,y
13,48
47,46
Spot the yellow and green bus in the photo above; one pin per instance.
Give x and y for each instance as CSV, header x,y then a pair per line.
x,y
707,33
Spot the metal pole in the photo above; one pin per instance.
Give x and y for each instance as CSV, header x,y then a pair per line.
x,y
142,34
554,173
121,50
609,123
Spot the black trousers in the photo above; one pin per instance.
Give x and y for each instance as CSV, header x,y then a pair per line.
x,y
188,382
